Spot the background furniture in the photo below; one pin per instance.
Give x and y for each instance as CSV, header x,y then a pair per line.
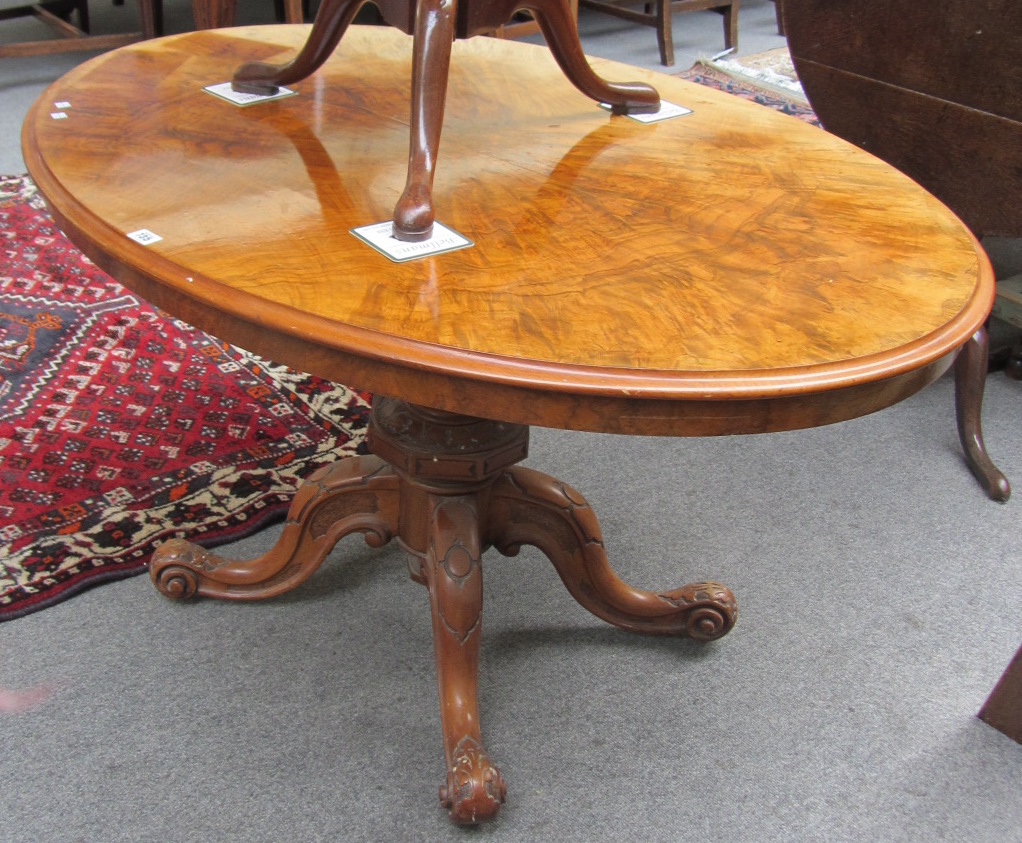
x,y
1003,708
74,38
658,14
935,88
524,24
213,14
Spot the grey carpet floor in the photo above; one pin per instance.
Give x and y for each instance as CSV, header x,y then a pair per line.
x,y
880,598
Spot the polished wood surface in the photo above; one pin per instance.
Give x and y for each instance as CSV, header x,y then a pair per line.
x,y
434,24
934,87
764,272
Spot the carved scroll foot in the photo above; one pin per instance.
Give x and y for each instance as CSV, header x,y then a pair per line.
x,y
528,507
970,377
358,494
474,790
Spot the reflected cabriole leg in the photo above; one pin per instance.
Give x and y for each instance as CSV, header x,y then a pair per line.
x,y
528,507
559,30
332,21
431,63
357,494
452,569
970,378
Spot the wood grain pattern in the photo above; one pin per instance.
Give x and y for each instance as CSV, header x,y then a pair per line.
x,y
933,87
959,52
760,272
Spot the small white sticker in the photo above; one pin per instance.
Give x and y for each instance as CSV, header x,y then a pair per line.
x,y
381,237
145,237
62,104
666,112
58,115
226,92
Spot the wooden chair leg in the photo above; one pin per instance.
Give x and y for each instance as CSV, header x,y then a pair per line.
x,y
731,26
150,16
213,14
83,15
665,32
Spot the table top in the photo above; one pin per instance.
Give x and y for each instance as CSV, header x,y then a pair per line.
x,y
732,270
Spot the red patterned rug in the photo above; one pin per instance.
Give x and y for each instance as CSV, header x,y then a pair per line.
x,y
121,427
713,77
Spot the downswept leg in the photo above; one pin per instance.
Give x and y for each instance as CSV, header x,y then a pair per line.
x,y
970,378
431,64
532,508
357,494
332,21
559,30
474,789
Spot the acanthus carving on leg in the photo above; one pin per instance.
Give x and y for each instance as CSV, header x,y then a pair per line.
x,y
474,789
357,494
469,766
970,376
528,507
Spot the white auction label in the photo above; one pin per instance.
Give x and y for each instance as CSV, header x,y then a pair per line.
x,y
226,92
381,237
666,112
144,236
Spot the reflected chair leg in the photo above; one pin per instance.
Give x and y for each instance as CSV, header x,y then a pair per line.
x,y
357,494
970,378
431,62
452,568
559,30
528,507
332,21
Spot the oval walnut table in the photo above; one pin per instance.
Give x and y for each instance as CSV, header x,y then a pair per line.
x,y
729,271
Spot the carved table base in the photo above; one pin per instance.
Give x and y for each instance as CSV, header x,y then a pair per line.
x,y
446,488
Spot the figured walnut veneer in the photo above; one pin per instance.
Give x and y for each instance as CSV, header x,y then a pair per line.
x,y
731,271
760,271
